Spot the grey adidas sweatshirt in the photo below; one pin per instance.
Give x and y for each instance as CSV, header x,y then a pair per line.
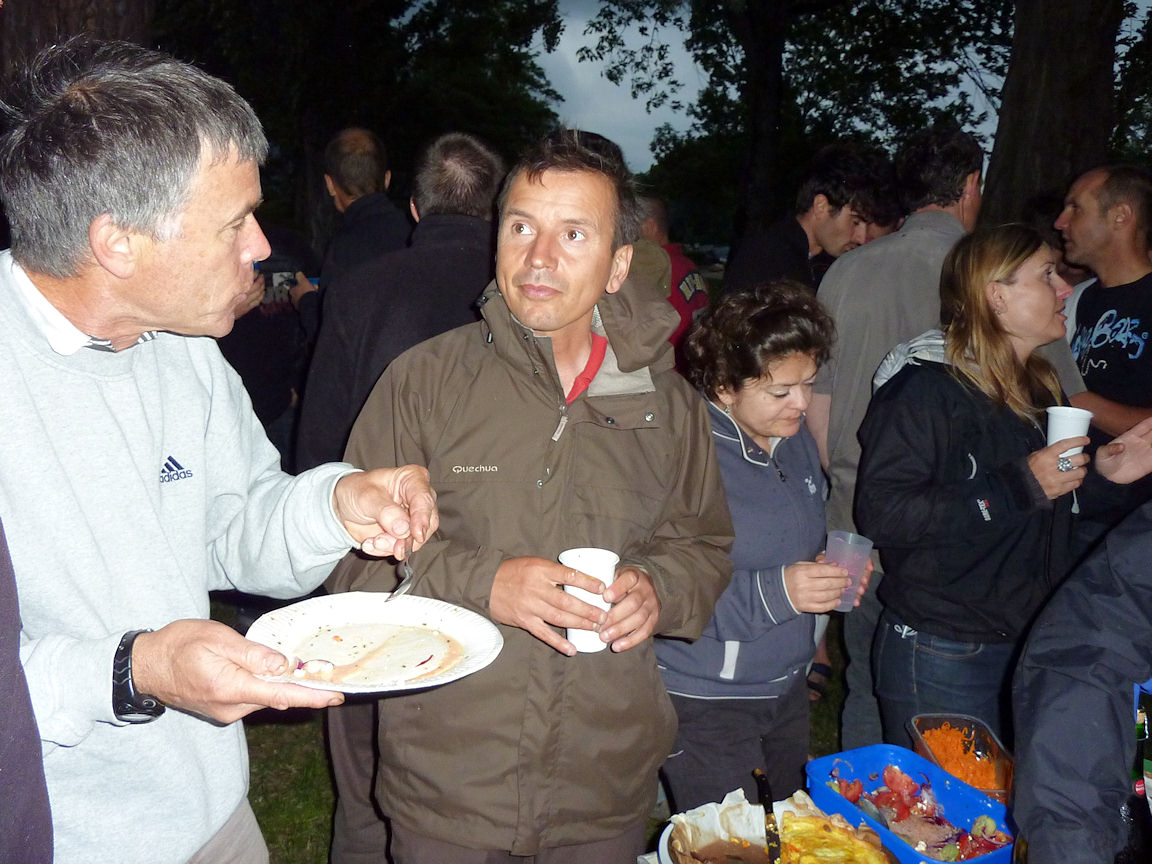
x,y
131,484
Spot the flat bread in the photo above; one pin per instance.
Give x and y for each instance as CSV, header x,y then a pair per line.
x,y
823,840
372,653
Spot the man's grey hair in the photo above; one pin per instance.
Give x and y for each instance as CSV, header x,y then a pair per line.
x,y
458,174
94,127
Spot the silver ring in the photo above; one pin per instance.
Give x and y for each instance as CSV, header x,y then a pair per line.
x,y
1063,463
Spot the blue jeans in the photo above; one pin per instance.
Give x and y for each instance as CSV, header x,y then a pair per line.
x,y
860,718
918,673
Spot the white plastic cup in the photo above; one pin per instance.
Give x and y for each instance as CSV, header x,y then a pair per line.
x,y
1067,422
599,564
850,551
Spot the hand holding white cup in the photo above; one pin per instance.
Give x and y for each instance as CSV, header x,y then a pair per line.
x,y
599,564
1064,422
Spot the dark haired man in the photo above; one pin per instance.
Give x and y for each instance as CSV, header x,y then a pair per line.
x,y
385,305
881,294
834,203
556,422
1105,226
357,177
135,476
377,311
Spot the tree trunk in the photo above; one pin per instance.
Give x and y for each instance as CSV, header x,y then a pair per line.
x,y
26,26
1056,112
761,29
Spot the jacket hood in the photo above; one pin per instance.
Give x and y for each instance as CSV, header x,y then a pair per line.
x,y
927,346
638,319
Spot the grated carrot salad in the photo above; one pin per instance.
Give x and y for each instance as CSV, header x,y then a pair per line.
x,y
952,747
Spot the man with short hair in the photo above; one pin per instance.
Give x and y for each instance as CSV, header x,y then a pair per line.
x,y
556,422
884,293
385,305
1105,223
357,177
1105,226
376,312
135,476
689,291
833,205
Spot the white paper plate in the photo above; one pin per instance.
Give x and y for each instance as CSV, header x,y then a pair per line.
x,y
663,855
291,627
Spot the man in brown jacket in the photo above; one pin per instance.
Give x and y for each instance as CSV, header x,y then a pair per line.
x,y
556,422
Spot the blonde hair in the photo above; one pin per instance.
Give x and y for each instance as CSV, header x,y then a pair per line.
x,y
977,347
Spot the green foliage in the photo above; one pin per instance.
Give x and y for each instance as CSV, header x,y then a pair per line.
x,y
884,68
408,69
1132,138
868,69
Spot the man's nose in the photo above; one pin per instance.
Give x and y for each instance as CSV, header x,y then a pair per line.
x,y
542,254
1061,221
257,242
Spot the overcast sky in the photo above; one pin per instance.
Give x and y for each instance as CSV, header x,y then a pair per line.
x,y
593,103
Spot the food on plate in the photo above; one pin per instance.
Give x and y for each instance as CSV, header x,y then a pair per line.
x,y
808,836
955,750
915,817
827,840
370,653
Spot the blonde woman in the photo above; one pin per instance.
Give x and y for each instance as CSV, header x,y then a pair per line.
x,y
970,510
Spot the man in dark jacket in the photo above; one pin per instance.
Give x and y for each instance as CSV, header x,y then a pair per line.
x,y
838,195
357,177
377,310
26,826
1073,701
556,422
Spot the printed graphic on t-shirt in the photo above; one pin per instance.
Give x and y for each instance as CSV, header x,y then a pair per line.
x,y
691,285
1111,331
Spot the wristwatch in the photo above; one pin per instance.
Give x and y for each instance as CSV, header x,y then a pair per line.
x,y
128,705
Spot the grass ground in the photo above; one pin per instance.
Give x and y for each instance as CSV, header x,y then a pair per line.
x,y
291,788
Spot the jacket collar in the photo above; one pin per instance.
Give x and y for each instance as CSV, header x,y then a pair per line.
x,y
725,427
637,321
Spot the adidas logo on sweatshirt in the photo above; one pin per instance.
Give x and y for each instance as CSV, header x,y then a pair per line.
x,y
172,470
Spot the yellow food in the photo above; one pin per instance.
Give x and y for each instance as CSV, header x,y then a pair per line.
x,y
818,840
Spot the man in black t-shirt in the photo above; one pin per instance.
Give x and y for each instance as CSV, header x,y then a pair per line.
x,y
1105,223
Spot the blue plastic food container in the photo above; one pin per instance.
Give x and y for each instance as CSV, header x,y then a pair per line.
x,y
960,802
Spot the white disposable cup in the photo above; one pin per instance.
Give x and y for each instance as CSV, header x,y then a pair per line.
x,y
599,564
850,551
1067,422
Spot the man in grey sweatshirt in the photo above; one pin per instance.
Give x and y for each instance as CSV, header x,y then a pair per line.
x,y
134,475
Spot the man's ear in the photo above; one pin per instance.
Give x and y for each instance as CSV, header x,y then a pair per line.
x,y
330,185
820,206
971,185
1121,214
621,261
387,180
117,250
412,209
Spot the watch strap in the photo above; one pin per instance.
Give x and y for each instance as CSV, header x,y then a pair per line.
x,y
129,705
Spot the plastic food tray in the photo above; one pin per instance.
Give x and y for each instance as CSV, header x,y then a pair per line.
x,y
985,743
960,802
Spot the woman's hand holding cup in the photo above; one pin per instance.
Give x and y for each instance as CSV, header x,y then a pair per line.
x,y
1058,474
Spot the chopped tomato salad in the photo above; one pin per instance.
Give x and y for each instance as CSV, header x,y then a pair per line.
x,y
914,816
